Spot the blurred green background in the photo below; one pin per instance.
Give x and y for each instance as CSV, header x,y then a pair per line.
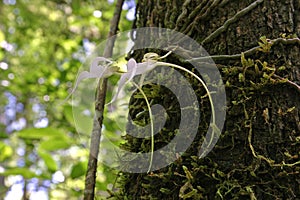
x,y
42,46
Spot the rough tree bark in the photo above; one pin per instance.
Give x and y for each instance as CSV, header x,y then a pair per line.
x,y
258,154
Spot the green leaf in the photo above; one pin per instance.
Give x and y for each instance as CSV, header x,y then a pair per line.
x,y
6,151
2,37
263,39
78,170
165,190
243,59
261,44
40,133
75,6
69,114
49,161
25,172
3,135
264,44
241,77
69,45
1,55
84,123
187,173
54,144
220,173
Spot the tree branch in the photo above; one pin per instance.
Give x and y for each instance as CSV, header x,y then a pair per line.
x,y
90,180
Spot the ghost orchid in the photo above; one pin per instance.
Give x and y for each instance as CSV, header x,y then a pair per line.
x,y
149,62
96,71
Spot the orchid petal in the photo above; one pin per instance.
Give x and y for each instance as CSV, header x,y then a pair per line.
x,y
96,71
133,70
85,74
145,67
131,67
126,77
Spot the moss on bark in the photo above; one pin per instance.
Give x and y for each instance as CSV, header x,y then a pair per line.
x,y
258,153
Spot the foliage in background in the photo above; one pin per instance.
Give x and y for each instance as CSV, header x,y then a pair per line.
x,y
42,46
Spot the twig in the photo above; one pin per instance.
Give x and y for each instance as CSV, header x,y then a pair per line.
x,y
230,21
90,180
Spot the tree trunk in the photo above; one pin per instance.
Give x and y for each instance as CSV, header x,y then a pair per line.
x,y
258,153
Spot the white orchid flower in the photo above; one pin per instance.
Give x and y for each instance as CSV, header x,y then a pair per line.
x,y
96,71
133,69
149,62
